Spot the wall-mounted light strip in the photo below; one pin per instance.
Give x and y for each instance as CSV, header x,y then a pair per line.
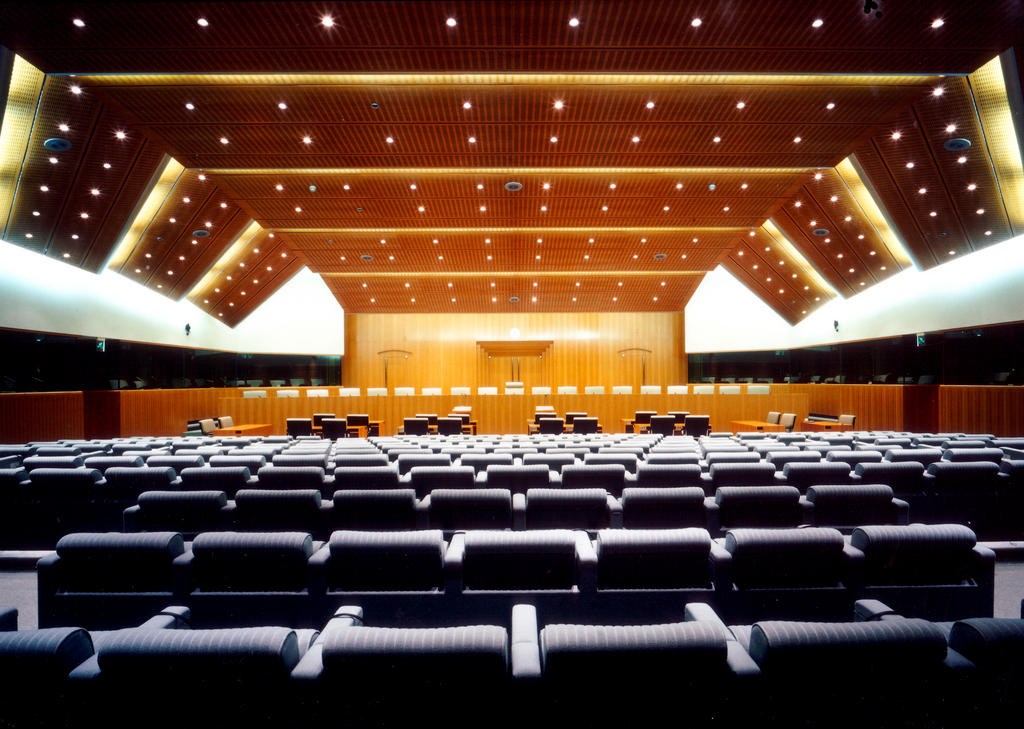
x,y
804,266
723,172
581,231
19,117
862,195
504,79
234,250
990,97
166,177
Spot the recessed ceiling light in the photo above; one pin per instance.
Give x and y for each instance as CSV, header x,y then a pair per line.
x,y
451,22
726,208
741,104
818,23
797,204
937,91
76,90
28,235
938,23
961,160
279,187
952,253
834,198
683,256
472,140
830,105
716,140
612,186
327,21
922,191
817,176
546,186
44,188
972,186
483,208
797,140
120,134
307,140
696,22
559,104
533,299
573,22
896,136
202,22
223,140
910,165
64,127
467,105
345,187
679,186
202,178
635,140
950,128
390,140
665,208
479,186
604,208
650,104
988,232
554,140
298,209
744,186
848,218
695,240
586,257
78,23
106,166
980,211
35,213
94,192
85,216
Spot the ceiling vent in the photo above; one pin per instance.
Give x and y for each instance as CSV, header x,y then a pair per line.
x,y
366,257
201,233
57,144
957,145
513,186
513,299
820,231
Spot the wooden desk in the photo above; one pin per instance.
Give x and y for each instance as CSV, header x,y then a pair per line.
x,y
821,425
373,429
749,426
629,426
250,429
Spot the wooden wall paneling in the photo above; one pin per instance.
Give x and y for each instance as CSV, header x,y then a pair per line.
x,y
585,349
166,412
102,413
921,408
26,416
996,410
876,406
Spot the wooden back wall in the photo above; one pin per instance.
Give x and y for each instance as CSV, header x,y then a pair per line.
x,y
445,354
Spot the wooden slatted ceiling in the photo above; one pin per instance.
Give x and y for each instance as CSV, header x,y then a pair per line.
x,y
899,168
517,250
475,293
516,36
55,211
513,124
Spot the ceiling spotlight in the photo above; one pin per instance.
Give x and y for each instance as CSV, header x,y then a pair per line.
x,y
472,140
650,104
223,140
120,134
961,160
937,91
76,90
327,21
910,165
740,105
896,136
950,128
573,22
281,105
202,178
797,140
817,175
64,128
44,188
938,23
78,23
559,104
554,140
830,105
106,166
696,22
202,22
307,140
818,23
390,140
635,140
94,192
716,140
451,22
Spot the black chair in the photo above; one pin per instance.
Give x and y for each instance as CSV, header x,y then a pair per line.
x,y
416,426
318,419
297,427
663,424
583,425
551,426
333,428
697,425
449,426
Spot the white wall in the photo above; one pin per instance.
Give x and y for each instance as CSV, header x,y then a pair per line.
x,y
41,294
986,287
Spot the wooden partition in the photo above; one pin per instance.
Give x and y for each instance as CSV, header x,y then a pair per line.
x,y
585,350
106,414
26,416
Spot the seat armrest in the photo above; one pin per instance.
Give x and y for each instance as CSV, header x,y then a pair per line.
x,y
713,514
130,519
586,563
311,665
853,558
865,611
739,661
453,560
480,479
702,612
182,571
317,566
555,477
806,511
172,617
614,512
422,513
519,512
525,642
901,511
721,566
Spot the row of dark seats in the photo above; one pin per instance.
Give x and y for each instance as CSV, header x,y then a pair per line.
x,y
662,507
96,579
525,664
